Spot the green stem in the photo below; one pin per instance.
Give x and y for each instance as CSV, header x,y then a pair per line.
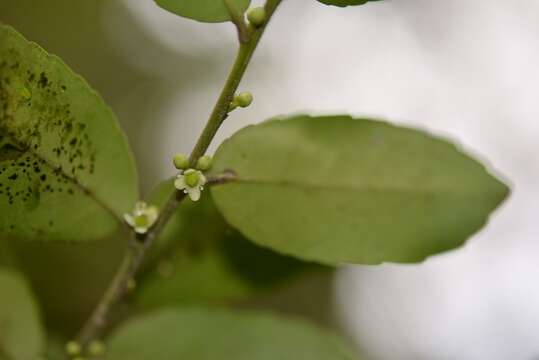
x,y
220,110
133,259
131,263
98,318
238,20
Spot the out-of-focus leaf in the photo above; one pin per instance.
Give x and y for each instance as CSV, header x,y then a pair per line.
x,y
64,161
336,189
200,334
55,347
20,329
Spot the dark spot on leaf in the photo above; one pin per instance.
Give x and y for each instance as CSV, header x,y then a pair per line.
x,y
43,80
24,130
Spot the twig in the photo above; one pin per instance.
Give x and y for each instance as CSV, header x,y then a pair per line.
x,y
132,261
119,287
220,110
238,20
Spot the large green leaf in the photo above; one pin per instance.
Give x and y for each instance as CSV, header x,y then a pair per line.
x,y
203,10
20,329
336,189
199,334
64,162
343,3
204,260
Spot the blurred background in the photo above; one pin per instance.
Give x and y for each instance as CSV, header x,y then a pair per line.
x,y
463,69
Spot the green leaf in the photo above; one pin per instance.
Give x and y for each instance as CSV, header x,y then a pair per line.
x,y
55,347
211,11
200,334
343,3
336,189
63,159
20,329
7,256
204,260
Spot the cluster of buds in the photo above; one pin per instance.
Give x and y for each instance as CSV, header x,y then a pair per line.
x,y
189,180
94,349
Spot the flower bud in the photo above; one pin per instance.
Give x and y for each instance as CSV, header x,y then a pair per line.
x,y
204,163
256,16
96,348
181,162
72,348
244,99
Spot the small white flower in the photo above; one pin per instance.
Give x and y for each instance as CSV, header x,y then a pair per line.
x,y
192,182
142,218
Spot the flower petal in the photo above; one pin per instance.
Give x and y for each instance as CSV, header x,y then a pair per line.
x,y
130,219
179,183
151,214
202,180
194,193
140,207
141,229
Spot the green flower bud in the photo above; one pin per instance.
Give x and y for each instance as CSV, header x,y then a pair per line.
x,y
256,16
96,348
72,348
181,162
204,163
192,177
244,99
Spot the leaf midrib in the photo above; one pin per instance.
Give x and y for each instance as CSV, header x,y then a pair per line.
x,y
349,187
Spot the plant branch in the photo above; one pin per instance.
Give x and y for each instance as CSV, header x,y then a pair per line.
x,y
220,110
131,263
238,19
140,245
